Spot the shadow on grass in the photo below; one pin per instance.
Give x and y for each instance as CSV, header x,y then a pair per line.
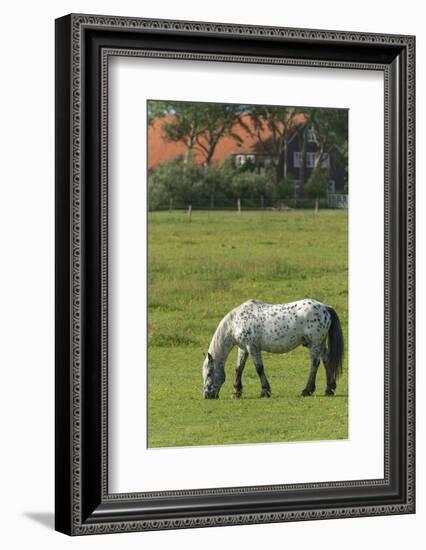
x,y
339,395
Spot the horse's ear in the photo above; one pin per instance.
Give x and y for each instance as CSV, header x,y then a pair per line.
x,y
210,357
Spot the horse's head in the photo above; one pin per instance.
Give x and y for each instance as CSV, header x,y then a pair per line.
x,y
210,388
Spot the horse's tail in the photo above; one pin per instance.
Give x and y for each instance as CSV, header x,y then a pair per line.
x,y
335,343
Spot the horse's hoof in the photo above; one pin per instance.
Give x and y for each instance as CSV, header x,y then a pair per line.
x,y
306,393
265,393
329,393
237,395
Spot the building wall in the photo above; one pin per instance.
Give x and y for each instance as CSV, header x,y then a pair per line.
x,y
337,172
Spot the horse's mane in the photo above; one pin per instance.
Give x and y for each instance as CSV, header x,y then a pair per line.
x,y
220,336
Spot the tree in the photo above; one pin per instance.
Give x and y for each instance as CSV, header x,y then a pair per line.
x,y
248,186
316,186
218,121
182,124
175,181
330,128
344,159
302,136
272,126
200,126
285,191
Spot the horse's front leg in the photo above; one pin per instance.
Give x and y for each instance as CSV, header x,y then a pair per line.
x,y
258,363
315,361
241,363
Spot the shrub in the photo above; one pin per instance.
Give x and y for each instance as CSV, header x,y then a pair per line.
x,y
284,191
176,180
249,186
317,185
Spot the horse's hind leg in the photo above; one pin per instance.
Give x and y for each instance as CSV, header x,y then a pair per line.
x,y
258,363
331,379
315,361
241,363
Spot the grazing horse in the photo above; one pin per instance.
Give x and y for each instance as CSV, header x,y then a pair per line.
x,y
278,328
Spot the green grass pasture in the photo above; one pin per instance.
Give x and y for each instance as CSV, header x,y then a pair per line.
x,y
199,271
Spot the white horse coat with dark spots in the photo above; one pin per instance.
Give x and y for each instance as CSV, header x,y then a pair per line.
x,y
278,328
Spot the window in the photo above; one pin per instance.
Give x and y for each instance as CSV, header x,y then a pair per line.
x,y
331,186
310,136
240,160
310,159
297,184
325,163
296,159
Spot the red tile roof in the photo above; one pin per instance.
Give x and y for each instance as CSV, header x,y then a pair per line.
x,y
160,150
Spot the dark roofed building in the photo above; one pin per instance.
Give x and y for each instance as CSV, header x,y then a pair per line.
x,y
250,149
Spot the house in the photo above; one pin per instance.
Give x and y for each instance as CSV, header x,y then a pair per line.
x,y
254,149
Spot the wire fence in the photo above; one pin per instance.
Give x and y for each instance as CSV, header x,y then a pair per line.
x,y
336,200
332,201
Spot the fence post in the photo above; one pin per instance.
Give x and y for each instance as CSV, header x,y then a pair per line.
x,y
239,205
211,201
190,212
316,205
170,206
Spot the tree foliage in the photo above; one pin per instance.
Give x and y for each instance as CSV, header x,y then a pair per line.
x,y
199,126
186,184
317,185
330,128
272,125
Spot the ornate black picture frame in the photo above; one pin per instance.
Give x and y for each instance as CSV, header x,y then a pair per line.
x,y
84,44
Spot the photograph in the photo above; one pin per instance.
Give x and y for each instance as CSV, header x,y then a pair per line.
x,y
234,270
247,283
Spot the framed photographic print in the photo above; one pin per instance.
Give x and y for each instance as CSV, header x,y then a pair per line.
x,y
234,274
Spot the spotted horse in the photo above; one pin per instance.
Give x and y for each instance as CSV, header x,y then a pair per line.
x,y
278,328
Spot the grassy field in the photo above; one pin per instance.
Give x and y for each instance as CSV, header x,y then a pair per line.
x,y
199,271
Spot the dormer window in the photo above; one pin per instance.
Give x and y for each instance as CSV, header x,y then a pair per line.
x,y
310,136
